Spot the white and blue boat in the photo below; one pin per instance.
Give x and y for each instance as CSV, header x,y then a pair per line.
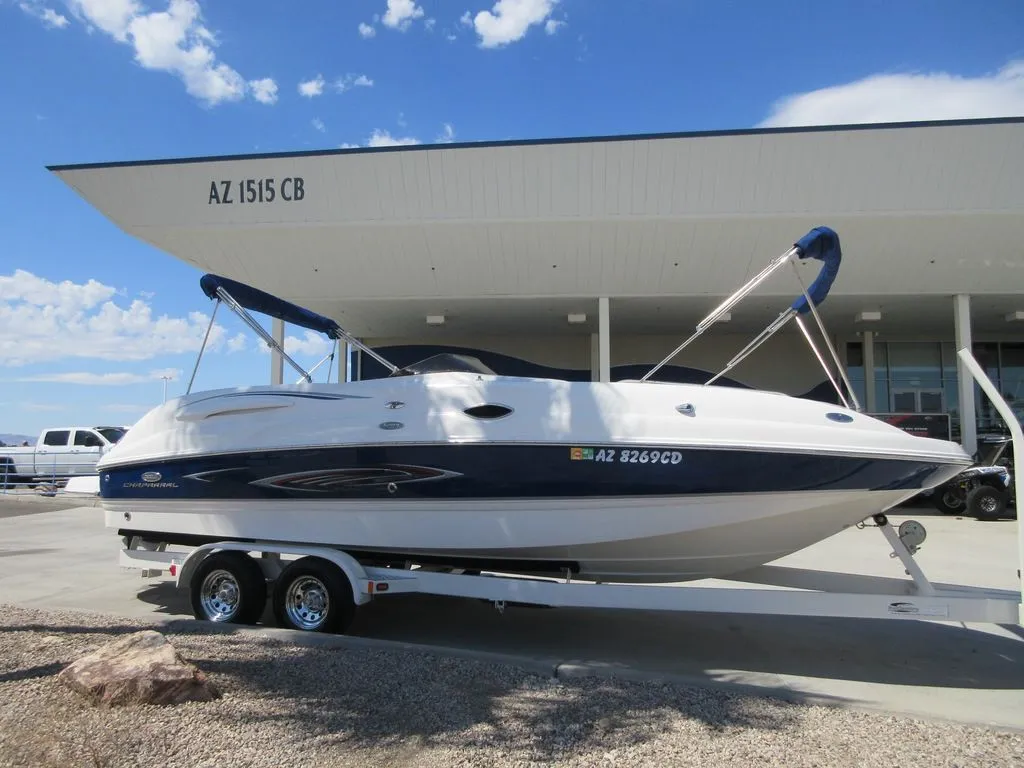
x,y
448,463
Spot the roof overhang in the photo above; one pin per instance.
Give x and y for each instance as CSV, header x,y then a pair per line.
x,y
379,238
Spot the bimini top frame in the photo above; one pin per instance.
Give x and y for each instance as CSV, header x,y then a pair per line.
x,y
240,298
821,243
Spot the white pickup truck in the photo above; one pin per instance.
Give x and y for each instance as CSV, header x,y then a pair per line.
x,y
62,452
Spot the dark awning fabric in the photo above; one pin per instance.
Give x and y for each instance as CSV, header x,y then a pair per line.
x,y
259,301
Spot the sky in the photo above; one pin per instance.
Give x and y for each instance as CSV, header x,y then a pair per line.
x,y
94,324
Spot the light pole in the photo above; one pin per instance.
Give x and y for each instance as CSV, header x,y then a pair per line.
x,y
166,378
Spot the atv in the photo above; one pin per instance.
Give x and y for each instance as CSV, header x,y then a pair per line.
x,y
985,490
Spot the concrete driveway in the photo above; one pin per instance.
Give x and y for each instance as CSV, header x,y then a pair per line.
x,y
53,555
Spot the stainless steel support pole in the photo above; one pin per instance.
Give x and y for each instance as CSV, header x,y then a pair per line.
x,y
725,306
817,354
203,347
1017,434
831,348
258,329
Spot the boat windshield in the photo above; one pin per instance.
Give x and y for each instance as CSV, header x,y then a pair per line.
x,y
445,363
112,434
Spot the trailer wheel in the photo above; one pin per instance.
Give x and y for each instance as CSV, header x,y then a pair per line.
x,y
987,503
229,588
313,595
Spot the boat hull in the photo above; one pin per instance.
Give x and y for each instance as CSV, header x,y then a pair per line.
x,y
626,539
619,481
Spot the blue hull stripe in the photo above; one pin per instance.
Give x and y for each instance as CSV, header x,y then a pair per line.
x,y
507,471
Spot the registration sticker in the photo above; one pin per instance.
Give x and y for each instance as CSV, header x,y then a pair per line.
x,y
625,456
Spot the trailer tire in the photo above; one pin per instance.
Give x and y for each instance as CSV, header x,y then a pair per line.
x,y
313,595
228,588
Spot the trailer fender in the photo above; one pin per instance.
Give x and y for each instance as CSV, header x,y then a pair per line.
x,y
355,572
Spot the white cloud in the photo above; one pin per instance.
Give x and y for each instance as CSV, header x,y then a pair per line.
x,y
381,138
906,97
400,14
48,16
66,296
312,343
319,124
53,19
171,374
429,24
119,379
366,31
264,91
237,343
311,88
147,294
551,26
111,16
509,20
447,134
350,81
173,40
41,320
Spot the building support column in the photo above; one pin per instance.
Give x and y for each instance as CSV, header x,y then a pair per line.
x,y
868,348
276,361
604,342
342,362
965,382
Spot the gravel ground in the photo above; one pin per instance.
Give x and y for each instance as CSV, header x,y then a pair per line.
x,y
285,704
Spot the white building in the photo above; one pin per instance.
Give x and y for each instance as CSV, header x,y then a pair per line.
x,y
578,257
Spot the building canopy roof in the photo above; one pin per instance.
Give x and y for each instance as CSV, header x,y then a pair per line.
x,y
376,238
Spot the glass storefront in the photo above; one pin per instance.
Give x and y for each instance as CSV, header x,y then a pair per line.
x,y
920,377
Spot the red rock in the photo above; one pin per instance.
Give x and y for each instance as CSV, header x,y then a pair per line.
x,y
141,668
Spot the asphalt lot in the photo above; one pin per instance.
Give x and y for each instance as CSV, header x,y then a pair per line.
x,y
56,554
13,507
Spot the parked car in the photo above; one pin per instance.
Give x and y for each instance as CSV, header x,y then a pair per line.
x,y
58,453
986,489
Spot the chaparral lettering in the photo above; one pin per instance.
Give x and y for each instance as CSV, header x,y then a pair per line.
x,y
249,191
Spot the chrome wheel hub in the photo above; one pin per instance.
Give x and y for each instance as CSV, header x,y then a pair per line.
x,y
220,595
307,602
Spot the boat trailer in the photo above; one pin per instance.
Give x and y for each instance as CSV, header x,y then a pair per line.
x,y
796,592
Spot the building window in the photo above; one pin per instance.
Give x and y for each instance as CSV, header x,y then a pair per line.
x,y
1011,376
921,377
915,377
855,358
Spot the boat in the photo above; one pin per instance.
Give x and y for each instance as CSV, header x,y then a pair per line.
x,y
445,463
